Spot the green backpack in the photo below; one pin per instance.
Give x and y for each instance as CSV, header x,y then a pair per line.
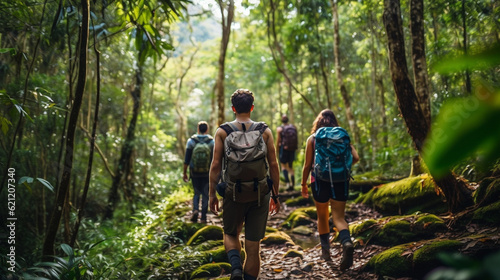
x,y
201,154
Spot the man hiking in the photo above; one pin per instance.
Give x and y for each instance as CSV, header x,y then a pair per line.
x,y
245,163
286,143
198,157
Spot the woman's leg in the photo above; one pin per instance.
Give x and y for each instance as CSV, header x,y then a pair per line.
x,y
338,213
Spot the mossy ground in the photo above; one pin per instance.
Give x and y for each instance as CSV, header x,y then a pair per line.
x,y
396,230
411,259
405,196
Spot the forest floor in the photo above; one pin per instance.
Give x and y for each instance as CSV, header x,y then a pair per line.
x,y
275,266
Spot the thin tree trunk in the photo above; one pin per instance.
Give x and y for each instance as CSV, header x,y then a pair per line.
x,y
226,32
456,192
125,163
48,246
86,187
421,77
343,90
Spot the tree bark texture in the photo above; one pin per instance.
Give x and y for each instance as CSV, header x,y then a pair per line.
x,y
48,246
86,187
457,194
226,32
421,76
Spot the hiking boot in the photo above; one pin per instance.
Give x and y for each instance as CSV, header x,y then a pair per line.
x,y
290,188
194,217
236,274
203,221
347,255
325,254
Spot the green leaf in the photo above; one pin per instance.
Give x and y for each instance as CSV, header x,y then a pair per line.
x,y
46,184
5,124
6,50
27,179
463,127
67,249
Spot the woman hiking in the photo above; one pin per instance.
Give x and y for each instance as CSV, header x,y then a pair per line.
x,y
330,191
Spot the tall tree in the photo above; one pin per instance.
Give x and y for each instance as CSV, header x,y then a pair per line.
x,y
340,80
62,193
456,192
227,14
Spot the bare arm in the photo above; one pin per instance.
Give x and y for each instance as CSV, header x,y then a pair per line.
x,y
278,137
216,169
306,169
273,169
355,156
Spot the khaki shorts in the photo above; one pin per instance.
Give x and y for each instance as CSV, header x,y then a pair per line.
x,y
250,213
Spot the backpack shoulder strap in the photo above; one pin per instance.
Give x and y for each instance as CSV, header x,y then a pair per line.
x,y
227,127
195,139
259,126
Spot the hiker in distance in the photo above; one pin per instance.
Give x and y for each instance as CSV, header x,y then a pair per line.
x,y
247,179
328,158
198,157
286,143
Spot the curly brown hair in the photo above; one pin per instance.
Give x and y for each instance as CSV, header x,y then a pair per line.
x,y
324,119
242,100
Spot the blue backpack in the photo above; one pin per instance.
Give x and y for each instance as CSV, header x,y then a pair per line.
x,y
332,155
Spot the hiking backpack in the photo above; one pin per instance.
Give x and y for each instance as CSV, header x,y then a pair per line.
x,y
245,169
332,155
201,154
289,140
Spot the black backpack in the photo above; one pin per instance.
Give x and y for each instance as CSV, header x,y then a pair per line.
x,y
289,140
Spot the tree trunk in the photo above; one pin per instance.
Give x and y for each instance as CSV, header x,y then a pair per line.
x,y
456,192
83,199
343,90
468,86
48,246
125,163
419,58
227,20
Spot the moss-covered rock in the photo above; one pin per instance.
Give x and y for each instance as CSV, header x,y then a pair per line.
x,y
211,270
216,255
206,233
293,254
488,214
398,229
277,238
209,245
303,230
300,201
426,258
300,217
391,262
271,229
411,259
363,230
406,196
395,231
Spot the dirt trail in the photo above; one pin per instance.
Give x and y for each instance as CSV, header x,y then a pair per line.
x,y
310,266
